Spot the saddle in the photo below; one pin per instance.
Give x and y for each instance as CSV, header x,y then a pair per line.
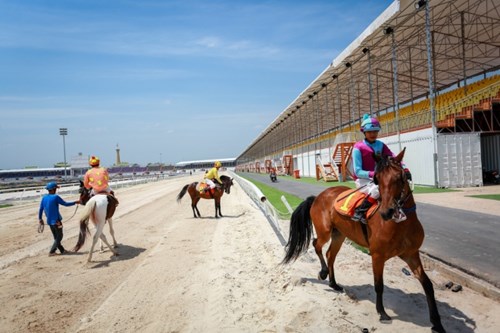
x,y
202,186
112,203
347,202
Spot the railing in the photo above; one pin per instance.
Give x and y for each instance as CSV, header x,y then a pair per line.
x,y
34,192
272,214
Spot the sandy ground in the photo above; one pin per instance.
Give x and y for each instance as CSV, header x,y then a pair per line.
x,y
180,274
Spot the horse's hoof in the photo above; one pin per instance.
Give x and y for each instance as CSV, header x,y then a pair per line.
x,y
336,287
322,275
384,318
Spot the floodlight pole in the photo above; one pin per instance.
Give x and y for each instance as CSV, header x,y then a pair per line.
x,y
63,132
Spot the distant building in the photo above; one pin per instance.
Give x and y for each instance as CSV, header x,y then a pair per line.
x,y
79,165
206,164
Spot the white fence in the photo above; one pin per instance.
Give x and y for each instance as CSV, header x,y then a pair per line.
x,y
36,192
272,215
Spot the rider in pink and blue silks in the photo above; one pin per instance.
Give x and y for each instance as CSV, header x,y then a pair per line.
x,y
364,162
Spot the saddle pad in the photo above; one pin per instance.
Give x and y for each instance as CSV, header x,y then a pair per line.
x,y
348,200
201,186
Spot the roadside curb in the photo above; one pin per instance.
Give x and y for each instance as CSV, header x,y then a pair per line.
x,y
460,277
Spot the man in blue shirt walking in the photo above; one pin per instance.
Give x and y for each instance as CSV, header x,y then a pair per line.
x,y
50,205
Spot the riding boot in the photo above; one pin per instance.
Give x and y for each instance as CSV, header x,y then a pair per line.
x,y
360,212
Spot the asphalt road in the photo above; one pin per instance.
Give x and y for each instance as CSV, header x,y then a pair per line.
x,y
463,239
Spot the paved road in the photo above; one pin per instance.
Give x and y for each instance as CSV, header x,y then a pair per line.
x,y
464,239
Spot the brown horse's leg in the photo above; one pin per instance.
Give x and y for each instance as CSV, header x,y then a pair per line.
x,y
217,207
318,243
417,268
378,263
215,204
331,254
194,206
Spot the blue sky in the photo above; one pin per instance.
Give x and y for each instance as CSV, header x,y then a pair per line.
x,y
168,81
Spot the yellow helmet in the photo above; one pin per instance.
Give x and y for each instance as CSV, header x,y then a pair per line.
x,y
217,164
94,161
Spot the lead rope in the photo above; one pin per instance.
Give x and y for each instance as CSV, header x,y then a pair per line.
x,y
76,209
42,226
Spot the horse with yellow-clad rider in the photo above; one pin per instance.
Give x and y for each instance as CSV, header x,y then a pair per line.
x,y
212,176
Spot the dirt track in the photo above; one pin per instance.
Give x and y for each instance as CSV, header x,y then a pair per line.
x,y
180,274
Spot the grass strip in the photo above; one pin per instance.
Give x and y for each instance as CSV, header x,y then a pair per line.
x,y
486,196
274,197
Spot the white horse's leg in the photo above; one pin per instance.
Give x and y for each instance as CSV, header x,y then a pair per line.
x,y
105,240
97,235
112,232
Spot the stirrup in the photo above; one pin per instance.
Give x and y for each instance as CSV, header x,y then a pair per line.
x,y
359,218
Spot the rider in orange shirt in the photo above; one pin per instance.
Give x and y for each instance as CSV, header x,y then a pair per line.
x,y
97,178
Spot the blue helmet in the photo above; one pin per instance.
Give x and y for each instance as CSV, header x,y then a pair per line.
x,y
51,186
369,124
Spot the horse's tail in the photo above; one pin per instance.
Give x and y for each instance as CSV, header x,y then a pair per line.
x,y
182,192
84,228
300,231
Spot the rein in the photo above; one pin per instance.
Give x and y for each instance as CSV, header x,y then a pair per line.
x,y
354,191
403,199
76,209
42,226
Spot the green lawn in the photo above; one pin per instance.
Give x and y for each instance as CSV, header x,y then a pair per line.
x,y
486,196
5,205
350,183
274,197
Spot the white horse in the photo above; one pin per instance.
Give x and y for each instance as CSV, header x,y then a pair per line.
x,y
95,210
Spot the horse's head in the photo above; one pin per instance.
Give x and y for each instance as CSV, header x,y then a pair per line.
x,y
227,182
84,194
393,185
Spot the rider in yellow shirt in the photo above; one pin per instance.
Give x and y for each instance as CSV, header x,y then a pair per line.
x,y
212,175
97,177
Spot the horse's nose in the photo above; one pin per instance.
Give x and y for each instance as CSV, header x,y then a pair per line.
x,y
387,215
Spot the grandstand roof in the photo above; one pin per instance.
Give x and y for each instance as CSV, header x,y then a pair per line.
x,y
465,43
232,159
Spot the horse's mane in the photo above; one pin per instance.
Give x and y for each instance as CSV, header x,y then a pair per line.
x,y
385,162
225,178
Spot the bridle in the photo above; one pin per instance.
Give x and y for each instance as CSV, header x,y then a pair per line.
x,y
84,193
406,191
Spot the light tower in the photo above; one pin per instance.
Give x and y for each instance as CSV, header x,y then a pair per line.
x,y
118,162
63,132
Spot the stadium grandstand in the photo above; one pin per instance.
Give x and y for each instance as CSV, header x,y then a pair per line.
x,y
227,163
429,70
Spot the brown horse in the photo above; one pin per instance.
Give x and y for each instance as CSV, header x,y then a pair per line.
x,y
382,236
227,182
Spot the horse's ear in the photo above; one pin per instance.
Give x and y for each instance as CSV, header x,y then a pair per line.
x,y
400,156
81,183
